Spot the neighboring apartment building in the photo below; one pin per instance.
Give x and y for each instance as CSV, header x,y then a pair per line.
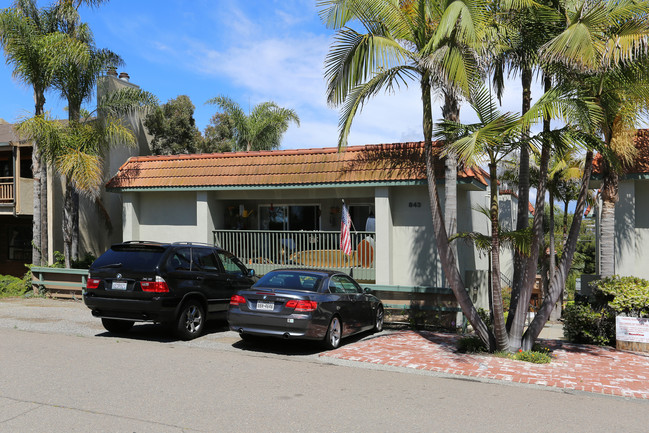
x,y
16,202
100,220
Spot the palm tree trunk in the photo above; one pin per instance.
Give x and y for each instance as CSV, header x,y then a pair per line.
x,y
607,223
500,330
71,213
37,225
556,311
451,111
526,285
44,242
522,218
441,238
39,174
68,223
559,281
74,247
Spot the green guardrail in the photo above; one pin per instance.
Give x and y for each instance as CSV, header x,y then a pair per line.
x,y
39,278
426,290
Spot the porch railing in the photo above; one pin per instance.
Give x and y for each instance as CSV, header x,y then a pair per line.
x,y
6,189
264,251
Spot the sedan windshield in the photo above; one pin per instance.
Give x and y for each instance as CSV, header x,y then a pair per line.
x,y
290,280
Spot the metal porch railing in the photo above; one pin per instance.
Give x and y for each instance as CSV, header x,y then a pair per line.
x,y
264,251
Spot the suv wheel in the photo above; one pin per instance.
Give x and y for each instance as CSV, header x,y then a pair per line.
x,y
117,326
191,320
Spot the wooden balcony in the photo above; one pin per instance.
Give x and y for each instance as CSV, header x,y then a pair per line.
x,y
6,190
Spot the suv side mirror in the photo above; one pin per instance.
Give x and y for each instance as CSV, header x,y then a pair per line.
x,y
251,272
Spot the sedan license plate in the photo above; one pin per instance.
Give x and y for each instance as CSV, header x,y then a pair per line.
x,y
265,305
119,285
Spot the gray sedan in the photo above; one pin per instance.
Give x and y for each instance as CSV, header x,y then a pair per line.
x,y
305,304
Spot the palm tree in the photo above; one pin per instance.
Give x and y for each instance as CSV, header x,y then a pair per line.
x,y
405,41
76,70
262,129
523,27
606,44
490,137
598,51
24,39
76,149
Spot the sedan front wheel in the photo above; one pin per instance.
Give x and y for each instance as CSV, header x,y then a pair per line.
x,y
334,333
378,320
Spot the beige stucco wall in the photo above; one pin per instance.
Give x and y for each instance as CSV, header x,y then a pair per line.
x,y
405,250
25,196
632,229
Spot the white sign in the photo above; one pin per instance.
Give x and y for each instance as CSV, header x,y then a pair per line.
x,y
632,329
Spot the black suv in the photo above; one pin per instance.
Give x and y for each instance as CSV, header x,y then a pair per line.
x,y
179,284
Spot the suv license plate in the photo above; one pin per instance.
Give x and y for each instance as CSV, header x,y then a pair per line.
x,y
266,306
119,285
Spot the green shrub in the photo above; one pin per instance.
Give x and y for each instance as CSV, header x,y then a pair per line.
x,y
626,295
13,286
82,263
542,356
533,356
583,323
471,344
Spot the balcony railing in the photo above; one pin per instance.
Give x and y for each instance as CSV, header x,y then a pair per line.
x,y
264,251
6,189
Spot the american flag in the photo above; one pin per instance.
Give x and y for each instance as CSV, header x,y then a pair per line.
x,y
345,241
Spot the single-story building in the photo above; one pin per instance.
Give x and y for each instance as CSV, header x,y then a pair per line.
x,y
283,208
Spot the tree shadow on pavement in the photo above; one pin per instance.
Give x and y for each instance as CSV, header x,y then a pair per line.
x,y
280,346
162,333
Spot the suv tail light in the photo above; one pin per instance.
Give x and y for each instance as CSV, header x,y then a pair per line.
x,y
302,305
157,286
237,300
92,283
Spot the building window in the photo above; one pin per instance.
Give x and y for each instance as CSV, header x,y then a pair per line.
x,y
283,217
362,217
20,239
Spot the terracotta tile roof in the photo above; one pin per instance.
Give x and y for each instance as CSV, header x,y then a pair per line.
x,y
357,164
641,162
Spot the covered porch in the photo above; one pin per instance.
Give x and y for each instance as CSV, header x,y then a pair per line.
x,y
264,250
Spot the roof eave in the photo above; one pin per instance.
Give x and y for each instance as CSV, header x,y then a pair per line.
x,y
265,187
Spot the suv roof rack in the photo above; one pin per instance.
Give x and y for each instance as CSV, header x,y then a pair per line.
x,y
193,243
142,242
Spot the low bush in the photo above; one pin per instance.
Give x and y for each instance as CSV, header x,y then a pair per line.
x,y
13,286
471,344
533,356
583,323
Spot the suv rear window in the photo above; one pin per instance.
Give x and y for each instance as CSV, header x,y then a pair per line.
x,y
136,258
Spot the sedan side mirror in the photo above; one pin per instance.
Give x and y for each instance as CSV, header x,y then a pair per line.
x,y
251,272
368,291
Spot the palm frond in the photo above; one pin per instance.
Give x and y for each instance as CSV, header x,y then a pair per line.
x,y
353,58
386,80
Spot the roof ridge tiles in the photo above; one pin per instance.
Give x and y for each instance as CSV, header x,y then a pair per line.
x,y
278,152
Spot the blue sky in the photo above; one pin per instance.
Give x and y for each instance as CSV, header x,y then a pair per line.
x,y
249,50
